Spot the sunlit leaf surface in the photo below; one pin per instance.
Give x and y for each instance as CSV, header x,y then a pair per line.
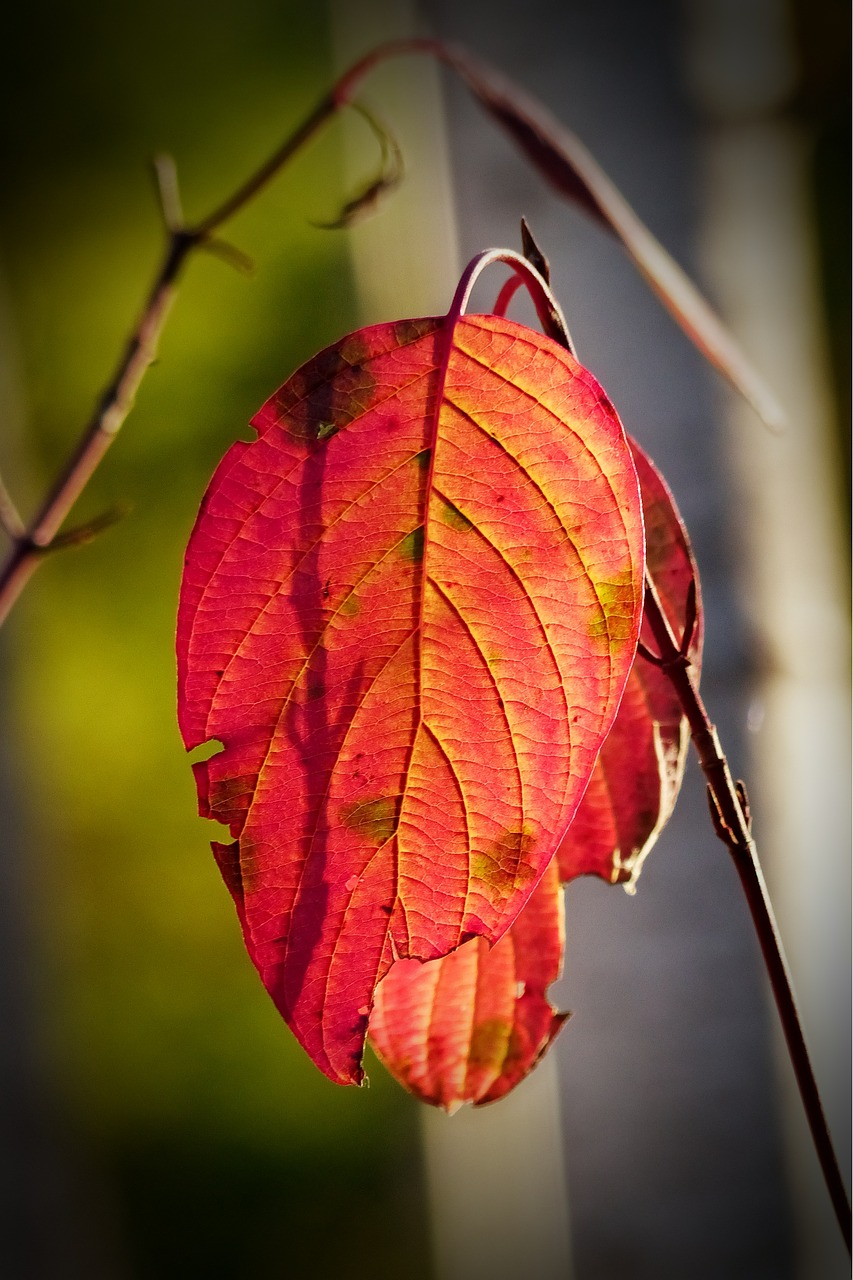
x,y
408,613
471,1026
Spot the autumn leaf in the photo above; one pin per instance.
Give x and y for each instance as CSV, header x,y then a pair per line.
x,y
408,612
469,1027
636,780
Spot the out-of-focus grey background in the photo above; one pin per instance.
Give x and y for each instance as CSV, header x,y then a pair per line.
x,y
156,1118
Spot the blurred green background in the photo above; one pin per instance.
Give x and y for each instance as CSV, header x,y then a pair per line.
x,y
182,1131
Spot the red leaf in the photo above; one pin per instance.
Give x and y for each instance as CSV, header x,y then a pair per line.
x,y
636,780
471,1026
408,612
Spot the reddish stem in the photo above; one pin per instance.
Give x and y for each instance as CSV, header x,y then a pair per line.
x,y
31,542
729,813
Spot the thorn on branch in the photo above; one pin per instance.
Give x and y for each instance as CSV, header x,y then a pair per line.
x,y
533,253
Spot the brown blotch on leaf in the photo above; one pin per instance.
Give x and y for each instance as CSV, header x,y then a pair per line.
x,y
406,331
329,392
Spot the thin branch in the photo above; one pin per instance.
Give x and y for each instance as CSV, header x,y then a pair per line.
x,y
730,815
556,152
101,430
28,543
263,176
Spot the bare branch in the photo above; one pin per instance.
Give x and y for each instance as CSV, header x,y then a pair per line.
x,y
731,819
555,151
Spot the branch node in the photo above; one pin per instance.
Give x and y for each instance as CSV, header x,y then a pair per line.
x,y
722,830
533,253
678,659
654,658
743,800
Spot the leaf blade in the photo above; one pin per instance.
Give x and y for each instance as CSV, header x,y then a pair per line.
x,y
468,1027
392,599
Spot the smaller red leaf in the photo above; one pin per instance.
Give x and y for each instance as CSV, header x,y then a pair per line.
x,y
470,1026
637,777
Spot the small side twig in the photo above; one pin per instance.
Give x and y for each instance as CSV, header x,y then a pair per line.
x,y
30,541
732,824
391,170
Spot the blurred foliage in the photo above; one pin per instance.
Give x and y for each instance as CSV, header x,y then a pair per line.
x,y
219,1149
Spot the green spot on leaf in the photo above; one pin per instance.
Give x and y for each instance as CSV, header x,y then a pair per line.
x,y
616,599
412,547
489,1041
500,866
376,820
453,516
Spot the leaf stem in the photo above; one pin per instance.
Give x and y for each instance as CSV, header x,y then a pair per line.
x,y
730,816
